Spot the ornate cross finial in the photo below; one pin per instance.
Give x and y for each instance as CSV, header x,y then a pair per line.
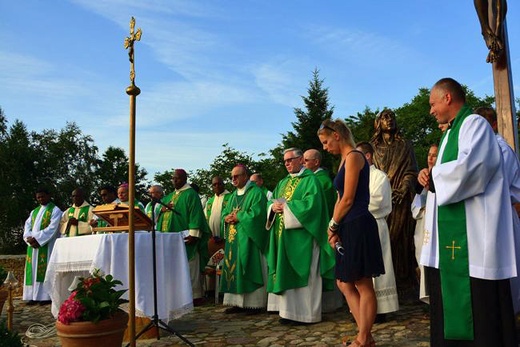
x,y
129,44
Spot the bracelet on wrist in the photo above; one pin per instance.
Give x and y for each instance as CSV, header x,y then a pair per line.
x,y
333,225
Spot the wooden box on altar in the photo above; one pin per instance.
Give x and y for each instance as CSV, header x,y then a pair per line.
x,y
116,215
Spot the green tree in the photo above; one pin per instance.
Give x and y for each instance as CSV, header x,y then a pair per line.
x,y
113,170
165,180
66,159
18,176
307,123
418,126
362,124
222,166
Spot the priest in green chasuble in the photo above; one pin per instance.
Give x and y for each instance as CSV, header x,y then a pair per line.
x,y
75,220
213,212
122,194
331,300
153,208
40,232
300,261
469,255
244,268
185,214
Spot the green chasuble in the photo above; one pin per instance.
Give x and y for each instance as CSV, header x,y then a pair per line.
x,y
82,217
454,270
290,250
43,251
188,215
264,190
329,191
245,242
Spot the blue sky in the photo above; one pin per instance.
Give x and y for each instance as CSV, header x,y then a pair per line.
x,y
215,72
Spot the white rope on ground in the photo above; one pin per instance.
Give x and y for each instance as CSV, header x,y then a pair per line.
x,y
40,331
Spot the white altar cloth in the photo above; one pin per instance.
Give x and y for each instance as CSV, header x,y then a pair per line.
x,y
78,256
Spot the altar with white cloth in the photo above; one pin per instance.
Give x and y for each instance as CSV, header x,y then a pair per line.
x,y
78,256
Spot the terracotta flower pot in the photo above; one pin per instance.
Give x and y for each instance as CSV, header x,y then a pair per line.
x,y
107,333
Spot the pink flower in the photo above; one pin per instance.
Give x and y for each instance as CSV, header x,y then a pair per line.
x,y
71,310
95,298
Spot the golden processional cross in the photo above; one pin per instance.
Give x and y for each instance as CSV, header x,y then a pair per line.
x,y
129,44
133,91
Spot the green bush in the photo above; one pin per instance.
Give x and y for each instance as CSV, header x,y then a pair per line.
x,y
9,338
3,275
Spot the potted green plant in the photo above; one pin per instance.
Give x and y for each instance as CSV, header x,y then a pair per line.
x,y
93,311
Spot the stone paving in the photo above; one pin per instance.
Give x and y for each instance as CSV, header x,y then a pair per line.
x,y
208,325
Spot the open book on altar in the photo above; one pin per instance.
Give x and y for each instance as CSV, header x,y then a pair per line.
x,y
116,216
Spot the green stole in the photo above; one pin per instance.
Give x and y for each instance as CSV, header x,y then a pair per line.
x,y
230,278
43,251
82,217
453,250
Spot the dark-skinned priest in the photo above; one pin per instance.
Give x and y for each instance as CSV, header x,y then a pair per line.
x,y
300,261
185,214
244,268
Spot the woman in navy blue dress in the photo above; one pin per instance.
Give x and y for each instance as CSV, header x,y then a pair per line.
x,y
354,228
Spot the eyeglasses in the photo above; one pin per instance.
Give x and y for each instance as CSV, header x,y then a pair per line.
x,y
234,177
290,159
323,126
217,184
307,159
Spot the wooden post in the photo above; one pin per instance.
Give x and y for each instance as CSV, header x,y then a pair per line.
x,y
492,17
504,97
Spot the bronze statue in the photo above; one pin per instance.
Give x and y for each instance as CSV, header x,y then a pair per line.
x,y
492,28
395,156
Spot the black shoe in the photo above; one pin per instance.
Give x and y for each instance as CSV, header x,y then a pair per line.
x,y
234,309
44,302
380,318
285,321
210,294
253,311
199,302
31,302
295,322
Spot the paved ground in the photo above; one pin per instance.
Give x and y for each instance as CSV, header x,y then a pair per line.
x,y
208,325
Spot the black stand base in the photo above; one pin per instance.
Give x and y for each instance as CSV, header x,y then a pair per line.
x,y
157,323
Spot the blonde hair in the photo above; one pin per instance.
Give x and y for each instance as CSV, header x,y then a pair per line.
x,y
328,126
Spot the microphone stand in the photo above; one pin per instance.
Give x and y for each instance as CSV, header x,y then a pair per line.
x,y
155,321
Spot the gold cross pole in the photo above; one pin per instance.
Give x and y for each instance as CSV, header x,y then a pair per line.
x,y
133,91
453,247
492,17
129,44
